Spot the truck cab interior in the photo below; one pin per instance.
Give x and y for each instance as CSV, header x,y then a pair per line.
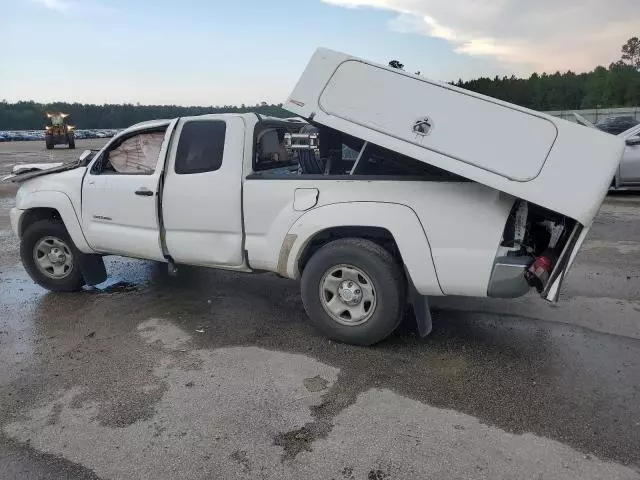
x,y
332,154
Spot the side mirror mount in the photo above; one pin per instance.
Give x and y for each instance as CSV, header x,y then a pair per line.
x,y
84,156
633,141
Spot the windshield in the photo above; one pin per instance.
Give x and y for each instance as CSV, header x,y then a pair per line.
x,y
57,120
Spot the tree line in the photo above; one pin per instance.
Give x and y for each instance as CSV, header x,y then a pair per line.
x,y
615,86
29,115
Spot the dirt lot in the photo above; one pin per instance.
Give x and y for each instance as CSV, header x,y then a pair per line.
x,y
220,375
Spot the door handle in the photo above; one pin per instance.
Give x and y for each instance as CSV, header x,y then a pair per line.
x,y
144,192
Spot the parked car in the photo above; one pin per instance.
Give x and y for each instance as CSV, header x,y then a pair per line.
x,y
440,199
627,175
617,125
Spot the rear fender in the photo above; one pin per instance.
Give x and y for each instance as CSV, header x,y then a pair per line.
x,y
60,202
399,220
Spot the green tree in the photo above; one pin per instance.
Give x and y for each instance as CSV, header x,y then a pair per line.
x,y
631,52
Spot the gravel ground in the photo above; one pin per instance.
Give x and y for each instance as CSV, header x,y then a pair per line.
x,y
219,375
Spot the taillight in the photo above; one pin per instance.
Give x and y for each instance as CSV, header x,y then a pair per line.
x,y
537,275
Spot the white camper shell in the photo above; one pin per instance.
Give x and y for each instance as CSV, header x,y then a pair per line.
x,y
512,149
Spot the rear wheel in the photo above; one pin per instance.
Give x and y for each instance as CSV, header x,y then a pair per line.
x,y
50,258
354,291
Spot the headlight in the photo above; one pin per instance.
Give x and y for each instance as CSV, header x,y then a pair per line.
x,y
47,128
71,127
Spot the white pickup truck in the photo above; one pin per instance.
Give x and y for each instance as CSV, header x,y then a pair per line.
x,y
385,189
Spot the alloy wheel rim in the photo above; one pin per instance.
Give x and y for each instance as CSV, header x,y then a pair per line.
x,y
347,295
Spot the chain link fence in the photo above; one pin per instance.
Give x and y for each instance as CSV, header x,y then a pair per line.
x,y
597,114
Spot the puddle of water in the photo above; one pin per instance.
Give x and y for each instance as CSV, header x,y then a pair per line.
x,y
113,285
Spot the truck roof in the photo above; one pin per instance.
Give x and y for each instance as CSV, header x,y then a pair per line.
x,y
165,121
150,123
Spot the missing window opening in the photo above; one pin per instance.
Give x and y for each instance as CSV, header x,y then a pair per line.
x,y
322,151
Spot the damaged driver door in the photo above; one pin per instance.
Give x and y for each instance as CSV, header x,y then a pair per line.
x,y
119,194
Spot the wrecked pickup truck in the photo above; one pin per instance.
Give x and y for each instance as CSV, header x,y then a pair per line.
x,y
385,189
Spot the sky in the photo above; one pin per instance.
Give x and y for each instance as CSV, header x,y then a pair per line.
x,y
229,52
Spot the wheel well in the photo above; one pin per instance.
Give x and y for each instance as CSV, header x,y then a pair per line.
x,y
37,214
381,236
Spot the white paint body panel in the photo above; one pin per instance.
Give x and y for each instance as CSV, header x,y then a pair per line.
x,y
24,167
61,191
495,141
429,221
497,144
116,220
27,167
202,212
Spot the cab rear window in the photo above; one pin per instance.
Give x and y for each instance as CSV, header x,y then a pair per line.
x,y
201,146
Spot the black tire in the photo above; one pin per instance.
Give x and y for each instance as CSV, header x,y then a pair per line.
x,y
49,143
388,282
72,141
32,235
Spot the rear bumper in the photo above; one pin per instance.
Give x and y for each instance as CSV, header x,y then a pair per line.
x,y
507,278
16,215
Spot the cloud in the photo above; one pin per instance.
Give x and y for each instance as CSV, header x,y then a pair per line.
x,y
56,5
77,7
544,35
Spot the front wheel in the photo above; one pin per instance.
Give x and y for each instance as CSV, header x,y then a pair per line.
x,y
72,141
50,258
354,291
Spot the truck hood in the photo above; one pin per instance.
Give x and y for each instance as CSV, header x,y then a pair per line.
x,y
27,171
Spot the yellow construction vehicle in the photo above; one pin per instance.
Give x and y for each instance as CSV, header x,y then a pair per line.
x,y
58,131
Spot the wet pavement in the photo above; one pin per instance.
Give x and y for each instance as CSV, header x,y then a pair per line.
x,y
219,375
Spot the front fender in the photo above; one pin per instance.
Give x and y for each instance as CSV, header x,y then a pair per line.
x,y
400,220
62,203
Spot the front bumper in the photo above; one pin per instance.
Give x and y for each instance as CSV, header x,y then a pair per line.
x,y
16,215
57,139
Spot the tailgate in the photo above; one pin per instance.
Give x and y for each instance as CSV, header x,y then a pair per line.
x,y
551,291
